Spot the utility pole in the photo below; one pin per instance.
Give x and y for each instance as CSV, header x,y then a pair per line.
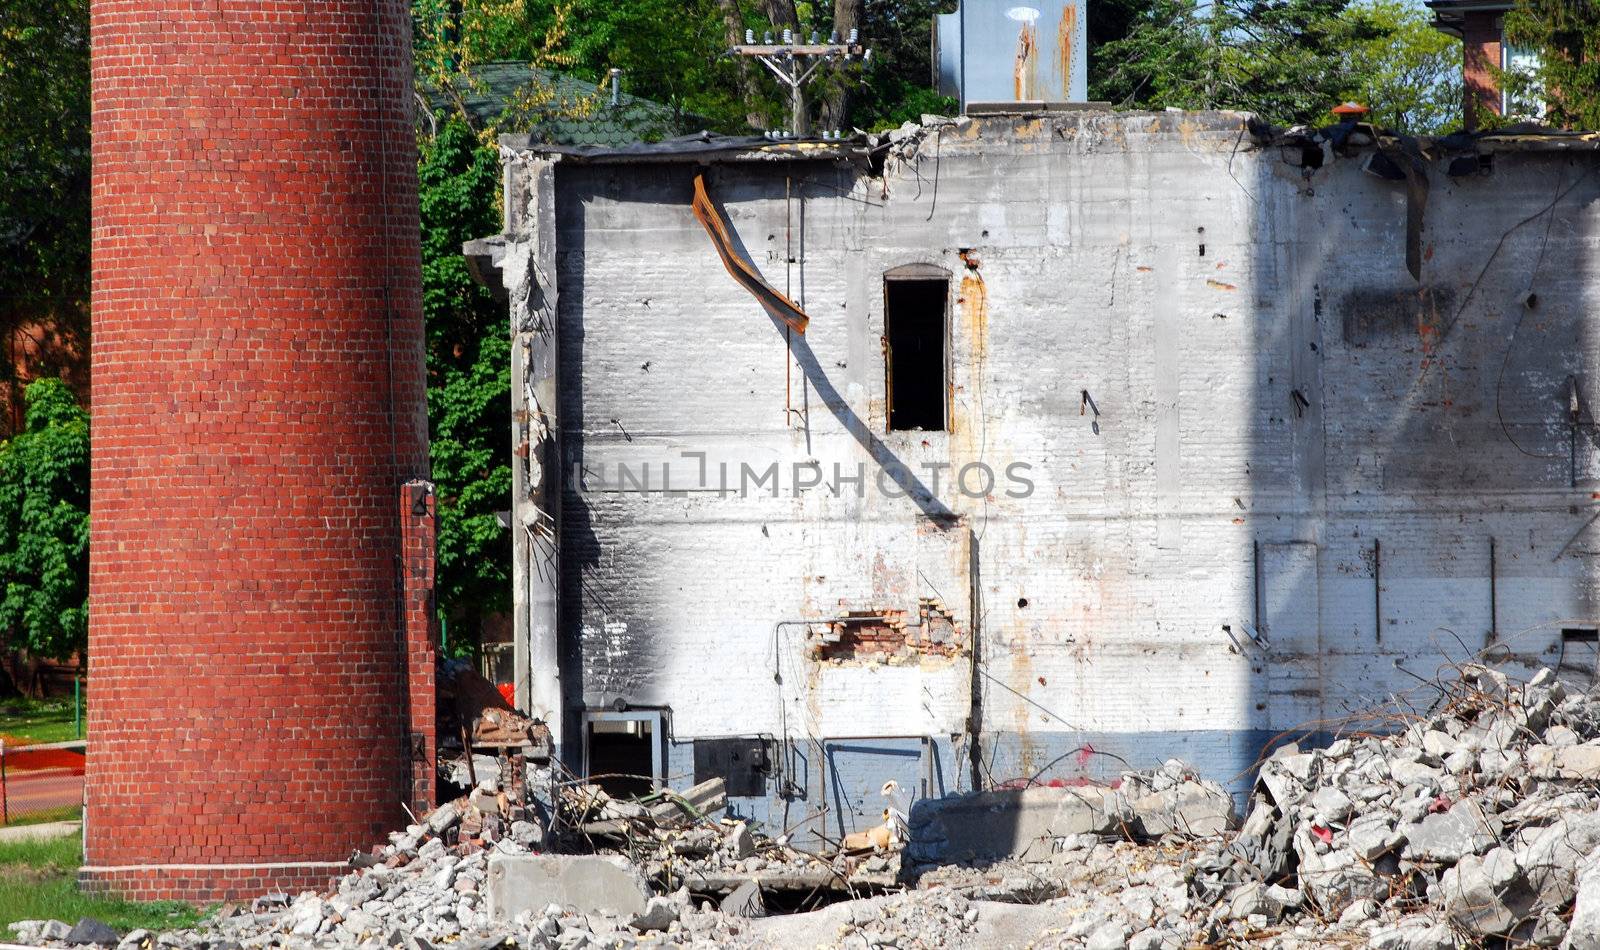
x,y
795,62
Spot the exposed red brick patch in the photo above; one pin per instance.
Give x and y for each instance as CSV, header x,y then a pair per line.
x,y
889,636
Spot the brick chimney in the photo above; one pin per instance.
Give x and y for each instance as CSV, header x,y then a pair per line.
x,y
1478,25
258,391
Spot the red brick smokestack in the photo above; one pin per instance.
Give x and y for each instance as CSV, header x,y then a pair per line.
x,y
258,391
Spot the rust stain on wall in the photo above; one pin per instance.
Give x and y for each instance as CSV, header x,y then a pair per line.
x,y
1069,27
975,315
1024,75
970,349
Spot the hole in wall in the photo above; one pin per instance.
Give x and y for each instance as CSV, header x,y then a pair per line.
x,y
890,635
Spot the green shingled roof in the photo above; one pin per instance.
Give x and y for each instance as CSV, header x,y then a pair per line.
x,y
560,110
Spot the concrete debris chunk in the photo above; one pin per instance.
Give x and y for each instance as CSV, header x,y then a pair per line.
x,y
739,842
659,913
1584,930
443,817
1450,835
1190,809
745,901
1486,895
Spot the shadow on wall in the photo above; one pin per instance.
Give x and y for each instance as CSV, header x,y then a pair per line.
x,y
834,401
1425,459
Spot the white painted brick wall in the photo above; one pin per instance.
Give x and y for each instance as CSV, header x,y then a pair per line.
x,y
1137,546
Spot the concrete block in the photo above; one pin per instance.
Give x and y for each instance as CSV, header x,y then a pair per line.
x,y
1553,854
1373,834
583,884
1010,822
1579,761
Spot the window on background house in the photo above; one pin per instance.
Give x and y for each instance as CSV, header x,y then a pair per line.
x,y
915,306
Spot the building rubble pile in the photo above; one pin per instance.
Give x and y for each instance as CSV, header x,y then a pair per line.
x,y
675,841
1478,823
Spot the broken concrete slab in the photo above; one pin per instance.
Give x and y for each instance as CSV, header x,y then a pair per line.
x,y
586,884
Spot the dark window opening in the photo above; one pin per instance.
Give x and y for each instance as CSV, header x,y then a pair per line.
x,y
1580,654
914,323
622,756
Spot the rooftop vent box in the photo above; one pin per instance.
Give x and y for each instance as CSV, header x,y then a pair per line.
x,y
998,51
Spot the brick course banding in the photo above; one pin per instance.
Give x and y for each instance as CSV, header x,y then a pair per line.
x,y
258,391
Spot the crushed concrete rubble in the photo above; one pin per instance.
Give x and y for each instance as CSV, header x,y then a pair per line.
x,y
1477,823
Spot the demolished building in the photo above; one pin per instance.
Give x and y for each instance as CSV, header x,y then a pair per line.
x,y
1029,445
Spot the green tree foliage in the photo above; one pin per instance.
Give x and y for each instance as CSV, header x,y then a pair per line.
x,y
44,177
469,376
669,50
44,524
1565,35
897,85
1408,73
450,36
1288,61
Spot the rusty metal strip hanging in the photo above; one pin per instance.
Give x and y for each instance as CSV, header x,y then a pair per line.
x,y
747,276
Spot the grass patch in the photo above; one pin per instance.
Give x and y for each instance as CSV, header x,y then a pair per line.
x,y
40,720
38,881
